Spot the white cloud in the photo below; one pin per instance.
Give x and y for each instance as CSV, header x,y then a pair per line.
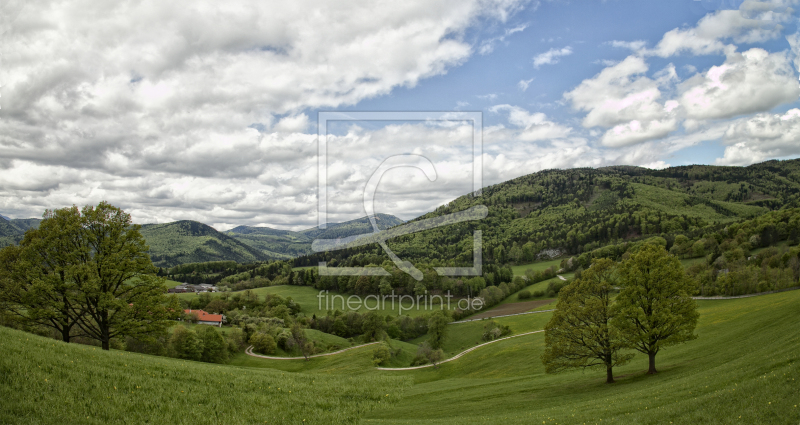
x,y
170,111
534,127
618,94
524,84
762,137
634,132
630,45
551,57
753,81
740,26
487,46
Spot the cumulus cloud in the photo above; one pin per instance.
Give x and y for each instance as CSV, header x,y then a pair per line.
x,y
551,57
534,126
753,81
622,98
524,84
630,45
761,137
754,22
199,112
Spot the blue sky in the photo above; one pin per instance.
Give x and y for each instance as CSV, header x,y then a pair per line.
x,y
208,111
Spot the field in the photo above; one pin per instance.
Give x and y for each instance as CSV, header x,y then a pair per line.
x,y
537,266
49,382
310,304
743,368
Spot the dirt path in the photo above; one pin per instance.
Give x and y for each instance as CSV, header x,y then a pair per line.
x,y
459,354
249,352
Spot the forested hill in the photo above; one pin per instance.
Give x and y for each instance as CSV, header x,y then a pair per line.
x,y
288,244
578,210
12,230
187,241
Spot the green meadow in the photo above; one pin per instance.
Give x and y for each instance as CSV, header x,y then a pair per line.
x,y
311,304
742,368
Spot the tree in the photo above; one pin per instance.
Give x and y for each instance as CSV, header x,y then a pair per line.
x,y
374,326
655,308
185,343
299,340
263,343
381,354
433,356
39,279
120,292
215,349
580,334
437,328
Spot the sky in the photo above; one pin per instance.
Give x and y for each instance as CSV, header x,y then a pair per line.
x,y
208,110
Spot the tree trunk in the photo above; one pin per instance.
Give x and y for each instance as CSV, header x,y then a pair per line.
x,y
65,333
609,375
652,370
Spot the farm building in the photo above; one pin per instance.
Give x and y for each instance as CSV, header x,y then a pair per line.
x,y
204,318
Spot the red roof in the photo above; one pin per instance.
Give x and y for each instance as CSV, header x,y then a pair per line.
x,y
202,316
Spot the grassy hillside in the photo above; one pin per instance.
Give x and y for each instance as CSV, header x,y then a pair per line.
x,y
288,244
310,304
49,382
192,242
743,368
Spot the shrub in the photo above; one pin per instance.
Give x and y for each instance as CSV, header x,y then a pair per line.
x,y
263,343
524,295
537,294
380,354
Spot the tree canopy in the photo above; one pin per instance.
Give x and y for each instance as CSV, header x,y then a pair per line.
x,y
581,334
655,308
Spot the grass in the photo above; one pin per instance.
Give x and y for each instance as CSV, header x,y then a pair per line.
x,y
537,266
44,381
743,368
310,304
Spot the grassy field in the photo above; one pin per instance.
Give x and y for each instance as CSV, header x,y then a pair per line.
x,y
310,304
743,368
537,266
43,381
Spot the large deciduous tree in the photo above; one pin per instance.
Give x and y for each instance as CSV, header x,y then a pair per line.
x,y
89,270
122,295
580,334
655,308
40,278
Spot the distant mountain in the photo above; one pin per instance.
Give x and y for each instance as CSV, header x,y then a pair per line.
x,y
26,223
288,244
187,241
12,230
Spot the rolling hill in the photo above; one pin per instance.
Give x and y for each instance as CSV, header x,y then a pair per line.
x,y
287,244
555,212
187,241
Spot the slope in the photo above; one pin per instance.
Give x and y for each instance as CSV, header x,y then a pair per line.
x,y
577,210
49,382
288,244
186,241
